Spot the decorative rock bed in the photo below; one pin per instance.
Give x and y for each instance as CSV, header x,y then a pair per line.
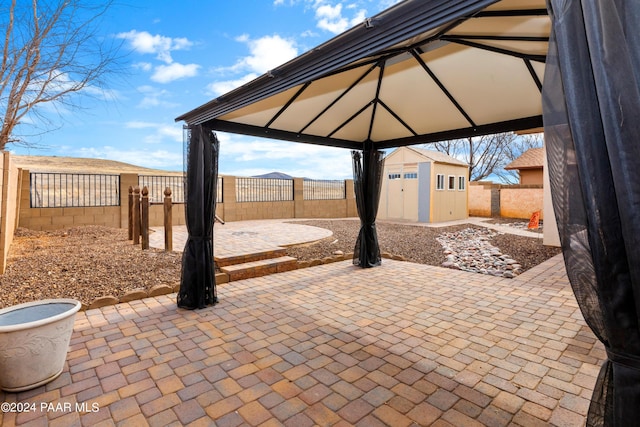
x,y
470,250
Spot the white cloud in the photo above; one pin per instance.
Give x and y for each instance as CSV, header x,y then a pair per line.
x,y
160,159
164,132
244,156
144,66
161,46
153,97
160,131
219,88
139,125
330,18
174,71
266,53
388,3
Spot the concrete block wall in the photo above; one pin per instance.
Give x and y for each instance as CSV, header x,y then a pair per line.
x,y
156,215
9,182
480,199
521,201
109,216
228,210
232,210
57,218
509,201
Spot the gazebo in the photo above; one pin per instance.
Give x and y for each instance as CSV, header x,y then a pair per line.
x,y
432,70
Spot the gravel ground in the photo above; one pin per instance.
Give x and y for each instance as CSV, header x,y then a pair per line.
x,y
82,263
415,243
92,261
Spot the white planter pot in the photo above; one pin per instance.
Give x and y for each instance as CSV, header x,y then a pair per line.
x,y
34,340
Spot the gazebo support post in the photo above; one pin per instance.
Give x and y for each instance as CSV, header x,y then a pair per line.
x,y
368,167
197,281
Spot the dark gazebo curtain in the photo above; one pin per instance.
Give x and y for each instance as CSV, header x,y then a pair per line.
x,y
197,281
591,106
368,167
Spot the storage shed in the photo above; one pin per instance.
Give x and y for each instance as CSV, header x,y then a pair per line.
x,y
423,185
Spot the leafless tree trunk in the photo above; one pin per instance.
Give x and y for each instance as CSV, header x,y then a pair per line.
x,y
51,52
488,154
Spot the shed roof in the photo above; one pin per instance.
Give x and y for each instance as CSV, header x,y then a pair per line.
x,y
438,157
420,71
533,158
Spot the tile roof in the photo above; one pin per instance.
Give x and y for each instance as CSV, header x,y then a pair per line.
x,y
531,159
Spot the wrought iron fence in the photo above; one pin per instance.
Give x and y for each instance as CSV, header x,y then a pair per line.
x,y
264,190
156,185
323,189
61,190
87,190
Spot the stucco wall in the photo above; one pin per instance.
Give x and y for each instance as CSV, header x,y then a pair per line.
x,y
521,201
531,176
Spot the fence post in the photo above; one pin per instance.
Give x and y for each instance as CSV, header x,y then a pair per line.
x,y
144,227
168,221
136,215
298,198
130,223
350,196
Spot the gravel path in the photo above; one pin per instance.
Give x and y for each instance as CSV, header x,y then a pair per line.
x,y
92,261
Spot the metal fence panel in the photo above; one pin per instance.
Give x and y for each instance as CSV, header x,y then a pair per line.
x,y
324,189
264,190
156,185
61,190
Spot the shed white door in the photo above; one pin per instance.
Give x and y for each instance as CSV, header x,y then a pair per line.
x,y
410,193
402,193
395,207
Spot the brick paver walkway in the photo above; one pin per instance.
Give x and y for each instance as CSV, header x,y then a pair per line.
x,y
398,345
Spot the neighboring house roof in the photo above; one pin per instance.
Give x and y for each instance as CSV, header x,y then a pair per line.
x,y
533,158
438,157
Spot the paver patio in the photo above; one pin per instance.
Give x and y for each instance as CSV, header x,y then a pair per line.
x,y
402,344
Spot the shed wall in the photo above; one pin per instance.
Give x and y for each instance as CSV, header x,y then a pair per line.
x,y
449,204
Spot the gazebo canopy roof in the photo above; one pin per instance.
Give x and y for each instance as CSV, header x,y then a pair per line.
x,y
421,71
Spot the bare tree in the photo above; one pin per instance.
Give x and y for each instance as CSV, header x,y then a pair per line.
x,y
51,53
487,155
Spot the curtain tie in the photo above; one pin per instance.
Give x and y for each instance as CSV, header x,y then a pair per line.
x,y
628,360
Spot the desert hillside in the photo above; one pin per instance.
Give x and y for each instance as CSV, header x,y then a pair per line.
x,y
83,165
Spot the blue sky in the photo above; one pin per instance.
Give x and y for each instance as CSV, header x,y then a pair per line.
x,y
181,54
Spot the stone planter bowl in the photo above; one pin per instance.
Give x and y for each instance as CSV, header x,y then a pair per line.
x,y
34,340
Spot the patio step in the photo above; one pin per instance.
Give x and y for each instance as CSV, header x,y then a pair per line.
x,y
232,259
258,268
